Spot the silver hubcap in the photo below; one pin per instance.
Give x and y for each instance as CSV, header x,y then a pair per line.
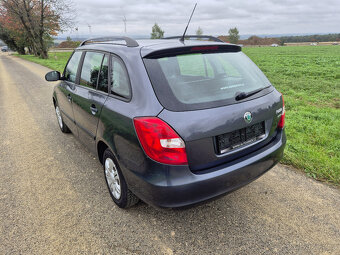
x,y
112,178
60,120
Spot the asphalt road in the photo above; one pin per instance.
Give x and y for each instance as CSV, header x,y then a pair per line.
x,y
54,200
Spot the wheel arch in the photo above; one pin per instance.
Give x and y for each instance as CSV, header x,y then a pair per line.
x,y
101,147
54,98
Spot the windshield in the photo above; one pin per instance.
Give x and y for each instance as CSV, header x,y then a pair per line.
x,y
195,80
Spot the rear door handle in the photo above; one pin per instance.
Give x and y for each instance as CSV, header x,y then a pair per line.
x,y
93,109
69,98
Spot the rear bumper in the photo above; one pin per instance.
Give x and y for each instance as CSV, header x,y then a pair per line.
x,y
181,187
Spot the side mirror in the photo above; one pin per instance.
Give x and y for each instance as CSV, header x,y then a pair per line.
x,y
52,76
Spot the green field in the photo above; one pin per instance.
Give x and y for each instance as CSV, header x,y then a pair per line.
x,y
309,79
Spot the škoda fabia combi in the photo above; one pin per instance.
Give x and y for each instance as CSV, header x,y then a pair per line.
x,y
174,122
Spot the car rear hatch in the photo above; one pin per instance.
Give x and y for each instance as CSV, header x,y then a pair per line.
x,y
220,135
216,99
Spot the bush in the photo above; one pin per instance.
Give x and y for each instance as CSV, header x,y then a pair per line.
x,y
69,44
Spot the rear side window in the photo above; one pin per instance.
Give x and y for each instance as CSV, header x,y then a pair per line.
x,y
70,72
203,80
103,82
90,70
120,83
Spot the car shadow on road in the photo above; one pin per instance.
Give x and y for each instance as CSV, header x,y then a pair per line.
x,y
222,222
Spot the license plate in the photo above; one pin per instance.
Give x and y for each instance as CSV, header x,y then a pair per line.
x,y
233,140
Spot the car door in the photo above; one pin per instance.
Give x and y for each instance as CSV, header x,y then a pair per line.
x,y
88,100
66,90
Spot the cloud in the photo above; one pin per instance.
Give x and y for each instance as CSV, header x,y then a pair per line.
x,y
214,16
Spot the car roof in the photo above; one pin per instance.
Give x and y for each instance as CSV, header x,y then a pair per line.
x,y
147,46
164,43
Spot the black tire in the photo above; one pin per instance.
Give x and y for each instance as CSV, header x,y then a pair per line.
x,y
63,127
127,198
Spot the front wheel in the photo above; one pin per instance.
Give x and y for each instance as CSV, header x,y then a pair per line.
x,y
61,123
116,184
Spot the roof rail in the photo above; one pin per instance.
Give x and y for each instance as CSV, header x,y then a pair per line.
x,y
108,40
188,37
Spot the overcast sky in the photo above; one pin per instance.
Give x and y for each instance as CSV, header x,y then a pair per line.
x,y
215,17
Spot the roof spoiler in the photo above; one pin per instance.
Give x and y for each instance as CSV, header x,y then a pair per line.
x,y
192,49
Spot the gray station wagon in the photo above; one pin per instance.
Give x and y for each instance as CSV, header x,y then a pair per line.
x,y
173,122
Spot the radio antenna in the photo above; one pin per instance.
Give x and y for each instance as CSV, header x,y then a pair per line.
x,y
182,38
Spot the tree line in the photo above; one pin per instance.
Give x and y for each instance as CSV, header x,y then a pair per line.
x,y
233,37
31,24
310,38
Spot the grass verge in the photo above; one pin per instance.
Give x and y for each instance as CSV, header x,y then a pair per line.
x,y
56,60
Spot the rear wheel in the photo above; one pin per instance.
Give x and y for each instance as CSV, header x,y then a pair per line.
x,y
61,123
115,181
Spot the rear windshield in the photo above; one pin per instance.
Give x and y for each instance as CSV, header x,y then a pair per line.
x,y
202,80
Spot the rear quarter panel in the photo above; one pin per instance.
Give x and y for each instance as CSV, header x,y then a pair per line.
x,y
116,127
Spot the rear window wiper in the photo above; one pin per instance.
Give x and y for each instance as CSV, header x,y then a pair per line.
x,y
242,95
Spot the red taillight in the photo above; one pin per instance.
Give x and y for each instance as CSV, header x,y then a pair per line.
x,y
159,141
283,116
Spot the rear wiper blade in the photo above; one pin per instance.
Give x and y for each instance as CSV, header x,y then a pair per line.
x,y
242,95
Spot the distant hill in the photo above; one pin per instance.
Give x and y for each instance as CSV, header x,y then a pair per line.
x,y
262,39
254,40
257,40
310,38
246,36
146,36
69,44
